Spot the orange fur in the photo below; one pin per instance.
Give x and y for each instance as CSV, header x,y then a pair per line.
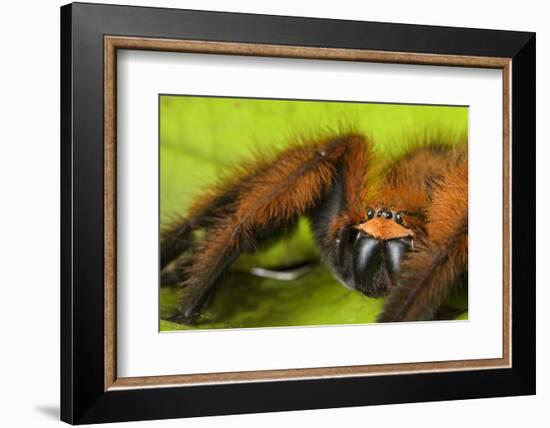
x,y
435,267
449,208
409,184
355,176
383,229
273,195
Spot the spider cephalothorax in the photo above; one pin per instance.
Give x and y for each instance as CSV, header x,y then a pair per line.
x,y
394,228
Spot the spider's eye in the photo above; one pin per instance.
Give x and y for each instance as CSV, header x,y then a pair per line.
x,y
379,213
370,213
388,215
399,218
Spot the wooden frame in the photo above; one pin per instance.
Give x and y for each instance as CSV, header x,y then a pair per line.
x,y
112,43
91,391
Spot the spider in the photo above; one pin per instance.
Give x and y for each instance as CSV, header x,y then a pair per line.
x,y
396,228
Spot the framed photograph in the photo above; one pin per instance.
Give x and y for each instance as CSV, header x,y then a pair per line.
x,y
265,213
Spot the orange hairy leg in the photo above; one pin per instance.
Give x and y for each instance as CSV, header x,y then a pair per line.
x,y
254,206
440,258
176,238
335,217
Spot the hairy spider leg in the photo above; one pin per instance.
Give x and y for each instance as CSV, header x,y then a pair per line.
x,y
438,263
270,198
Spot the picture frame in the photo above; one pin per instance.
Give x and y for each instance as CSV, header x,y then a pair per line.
x,y
91,35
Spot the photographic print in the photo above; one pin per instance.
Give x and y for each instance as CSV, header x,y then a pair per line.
x,y
305,213
298,193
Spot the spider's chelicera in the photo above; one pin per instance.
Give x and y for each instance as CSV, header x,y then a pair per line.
x,y
378,247
395,228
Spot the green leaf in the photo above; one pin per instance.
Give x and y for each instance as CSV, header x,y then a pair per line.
x,y
243,300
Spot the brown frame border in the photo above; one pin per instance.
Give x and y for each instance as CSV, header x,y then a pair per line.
x,y
113,43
